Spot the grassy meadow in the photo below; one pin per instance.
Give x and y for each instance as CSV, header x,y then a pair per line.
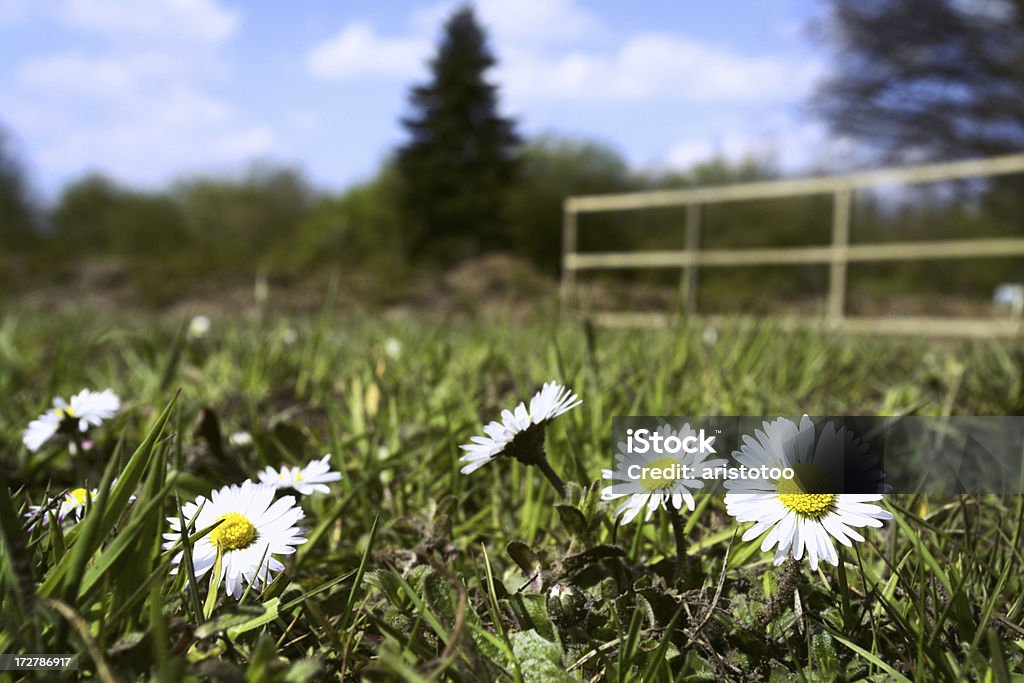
x,y
413,571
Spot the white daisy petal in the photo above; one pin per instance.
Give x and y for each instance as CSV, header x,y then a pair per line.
x,y
551,401
86,409
313,478
656,491
93,407
67,508
41,430
796,524
253,526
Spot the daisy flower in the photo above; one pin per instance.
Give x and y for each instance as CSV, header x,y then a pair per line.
x,y
645,491
253,528
804,514
86,409
71,504
198,326
520,434
240,439
312,478
392,348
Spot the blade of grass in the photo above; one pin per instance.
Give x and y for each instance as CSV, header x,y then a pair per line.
x,y
627,652
893,673
357,583
248,589
87,540
320,529
125,540
192,583
327,585
173,358
106,511
657,658
214,589
422,608
14,562
81,626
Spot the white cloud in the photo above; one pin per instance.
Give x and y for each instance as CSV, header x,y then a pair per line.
x,y
520,21
357,51
141,152
139,113
554,50
146,133
547,21
655,67
795,145
686,153
106,77
207,21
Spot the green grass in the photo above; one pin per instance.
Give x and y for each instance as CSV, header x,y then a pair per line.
x,y
414,571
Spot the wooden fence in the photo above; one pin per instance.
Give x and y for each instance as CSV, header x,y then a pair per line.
x,y
838,255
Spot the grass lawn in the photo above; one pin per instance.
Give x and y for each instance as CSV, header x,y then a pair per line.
x,y
414,571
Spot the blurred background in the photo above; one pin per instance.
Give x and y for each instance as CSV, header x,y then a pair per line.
x,y
172,153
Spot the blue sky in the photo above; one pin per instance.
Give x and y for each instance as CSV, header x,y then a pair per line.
x,y
147,91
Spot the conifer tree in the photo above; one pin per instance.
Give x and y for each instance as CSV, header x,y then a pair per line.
x,y
461,158
17,213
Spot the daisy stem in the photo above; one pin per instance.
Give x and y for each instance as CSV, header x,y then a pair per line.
x,y
789,576
679,533
844,592
77,455
545,467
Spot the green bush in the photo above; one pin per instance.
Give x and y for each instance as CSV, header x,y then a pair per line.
x,y
555,167
361,229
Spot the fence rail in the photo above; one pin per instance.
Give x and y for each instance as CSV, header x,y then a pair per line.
x,y
839,254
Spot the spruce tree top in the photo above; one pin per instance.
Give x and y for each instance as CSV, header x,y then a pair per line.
x,y
461,155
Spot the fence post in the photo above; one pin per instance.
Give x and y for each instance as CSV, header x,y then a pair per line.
x,y
840,258
569,230
689,284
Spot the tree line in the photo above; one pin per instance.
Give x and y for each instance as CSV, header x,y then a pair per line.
x,y
911,80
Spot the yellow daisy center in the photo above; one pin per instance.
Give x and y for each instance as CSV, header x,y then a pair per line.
x,y
66,412
233,533
664,476
807,492
79,495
